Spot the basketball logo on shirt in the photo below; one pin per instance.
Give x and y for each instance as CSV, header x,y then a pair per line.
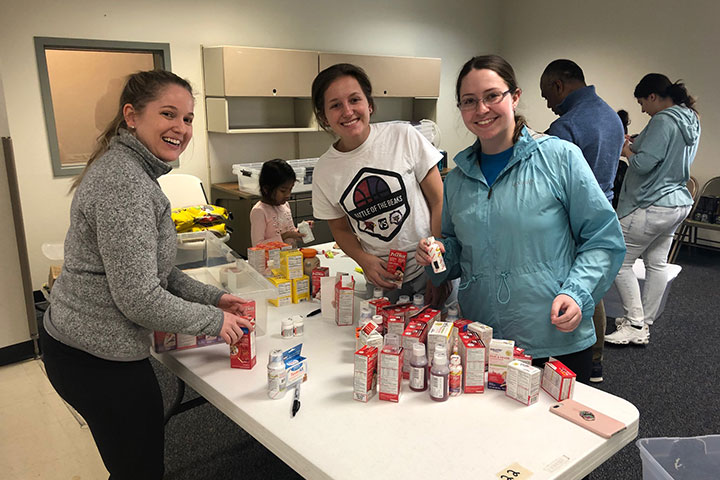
x,y
376,201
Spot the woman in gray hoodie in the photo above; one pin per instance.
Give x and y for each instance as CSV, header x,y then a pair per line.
x,y
119,283
654,199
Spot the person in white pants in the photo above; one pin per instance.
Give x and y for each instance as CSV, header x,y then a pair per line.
x,y
654,199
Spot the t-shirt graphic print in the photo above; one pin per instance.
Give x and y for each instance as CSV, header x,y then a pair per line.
x,y
377,203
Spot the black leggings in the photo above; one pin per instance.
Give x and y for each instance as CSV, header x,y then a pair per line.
x,y
579,362
121,403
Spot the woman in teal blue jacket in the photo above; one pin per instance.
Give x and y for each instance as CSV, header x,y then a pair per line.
x,y
525,226
654,199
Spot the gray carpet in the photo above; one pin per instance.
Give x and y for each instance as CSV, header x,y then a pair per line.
x,y
670,380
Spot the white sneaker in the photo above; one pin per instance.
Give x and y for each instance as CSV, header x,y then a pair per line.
x,y
626,334
619,321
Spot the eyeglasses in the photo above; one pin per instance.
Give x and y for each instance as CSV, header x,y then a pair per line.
x,y
491,98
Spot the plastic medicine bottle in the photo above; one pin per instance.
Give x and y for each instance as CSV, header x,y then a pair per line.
x,y
276,374
439,373
419,300
418,368
310,260
455,377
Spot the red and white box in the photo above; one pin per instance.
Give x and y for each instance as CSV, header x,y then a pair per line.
x,y
485,332
368,335
376,305
344,299
523,382
519,354
396,266
390,373
242,354
472,358
558,380
501,353
459,326
365,373
317,274
415,332
395,324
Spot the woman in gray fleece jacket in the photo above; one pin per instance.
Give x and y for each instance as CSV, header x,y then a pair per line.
x,y
118,281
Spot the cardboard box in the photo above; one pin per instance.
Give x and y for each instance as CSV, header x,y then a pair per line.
x,y
414,332
396,266
242,355
317,274
365,373
395,324
523,382
558,380
284,289
501,353
440,332
291,263
486,335
295,365
344,299
391,373
472,358
300,289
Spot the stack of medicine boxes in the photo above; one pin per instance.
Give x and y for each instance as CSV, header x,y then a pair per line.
x,y
284,268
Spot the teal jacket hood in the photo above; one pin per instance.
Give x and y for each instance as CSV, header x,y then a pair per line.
x,y
687,122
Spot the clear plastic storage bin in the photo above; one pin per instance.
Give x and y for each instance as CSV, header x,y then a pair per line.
x,y
226,270
688,458
249,174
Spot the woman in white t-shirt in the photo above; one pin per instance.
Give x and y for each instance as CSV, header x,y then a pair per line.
x,y
378,185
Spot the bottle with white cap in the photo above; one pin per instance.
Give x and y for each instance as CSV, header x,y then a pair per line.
x,y
404,299
439,373
287,328
377,292
452,314
378,319
419,300
365,315
418,368
276,374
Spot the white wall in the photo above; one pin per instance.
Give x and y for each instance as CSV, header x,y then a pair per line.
x,y
616,43
453,31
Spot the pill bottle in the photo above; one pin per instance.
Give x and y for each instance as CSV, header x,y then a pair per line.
x,y
310,260
287,328
404,299
276,375
365,316
377,292
306,232
379,320
436,258
298,326
455,376
452,315
419,300
418,368
439,373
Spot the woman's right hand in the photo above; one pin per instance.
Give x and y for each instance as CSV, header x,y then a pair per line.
x,y
422,252
375,270
231,330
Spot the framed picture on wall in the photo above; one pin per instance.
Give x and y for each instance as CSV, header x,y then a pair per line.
x,y
81,81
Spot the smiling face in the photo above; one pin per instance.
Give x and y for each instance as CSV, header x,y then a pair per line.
x,y
493,125
347,112
164,126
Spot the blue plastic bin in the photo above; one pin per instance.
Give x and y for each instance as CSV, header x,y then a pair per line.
x,y
680,458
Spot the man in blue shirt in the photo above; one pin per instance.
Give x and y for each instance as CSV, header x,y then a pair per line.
x,y
591,124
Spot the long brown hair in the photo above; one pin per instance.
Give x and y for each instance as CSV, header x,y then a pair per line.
x,y
500,66
140,89
325,78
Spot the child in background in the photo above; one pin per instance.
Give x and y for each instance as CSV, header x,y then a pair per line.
x,y
270,218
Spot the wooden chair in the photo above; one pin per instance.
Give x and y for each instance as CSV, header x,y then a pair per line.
x,y
687,232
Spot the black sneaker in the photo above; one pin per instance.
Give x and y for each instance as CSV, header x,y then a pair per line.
x,y
596,372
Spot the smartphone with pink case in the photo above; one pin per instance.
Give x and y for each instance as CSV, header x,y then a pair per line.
x,y
588,418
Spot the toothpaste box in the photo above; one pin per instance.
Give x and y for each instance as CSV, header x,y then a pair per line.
x,y
396,266
523,382
344,299
472,358
390,373
486,335
365,373
317,274
291,263
242,355
295,365
300,289
440,332
501,353
414,332
558,380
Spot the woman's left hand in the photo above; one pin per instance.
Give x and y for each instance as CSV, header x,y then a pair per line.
x,y
565,314
232,304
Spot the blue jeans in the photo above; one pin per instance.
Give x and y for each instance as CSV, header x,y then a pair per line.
x,y
648,234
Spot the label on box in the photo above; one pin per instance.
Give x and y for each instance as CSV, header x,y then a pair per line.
x,y
242,355
390,377
344,299
317,274
523,382
558,380
501,353
365,373
396,266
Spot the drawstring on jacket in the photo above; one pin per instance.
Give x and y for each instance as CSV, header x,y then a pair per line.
x,y
503,281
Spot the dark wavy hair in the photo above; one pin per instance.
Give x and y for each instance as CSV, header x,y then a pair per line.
x,y
140,89
500,66
661,85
